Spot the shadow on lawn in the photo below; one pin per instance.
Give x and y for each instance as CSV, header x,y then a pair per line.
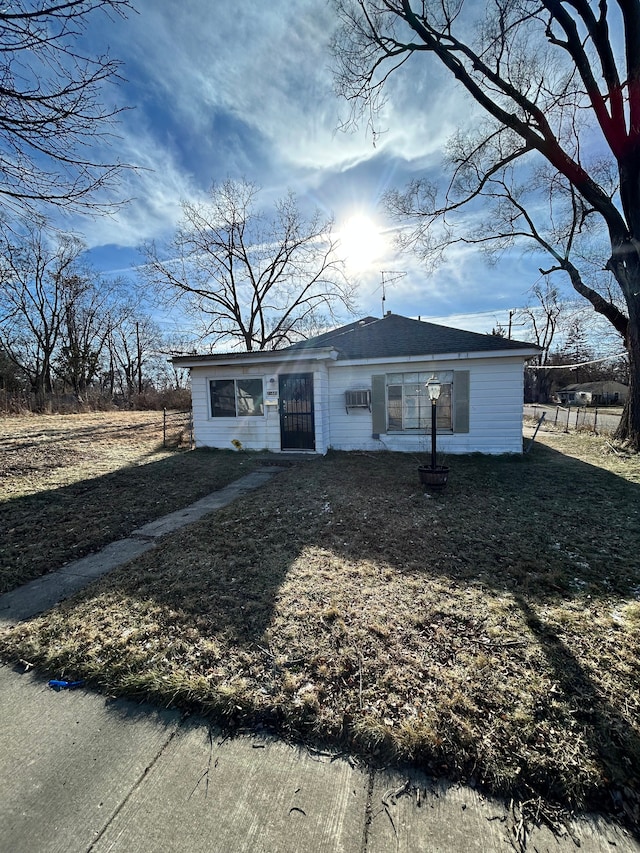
x,y
614,743
353,537
39,533
545,527
550,526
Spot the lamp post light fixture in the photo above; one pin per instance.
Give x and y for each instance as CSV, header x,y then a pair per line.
x,y
433,389
434,477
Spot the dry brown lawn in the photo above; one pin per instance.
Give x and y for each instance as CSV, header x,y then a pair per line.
x,y
45,452
491,633
70,484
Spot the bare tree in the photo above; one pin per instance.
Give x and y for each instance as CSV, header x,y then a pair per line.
x,y
33,300
133,343
557,80
57,315
62,326
90,309
12,378
258,279
543,317
51,114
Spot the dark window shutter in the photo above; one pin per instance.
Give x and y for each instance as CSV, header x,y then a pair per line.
x,y
378,404
461,401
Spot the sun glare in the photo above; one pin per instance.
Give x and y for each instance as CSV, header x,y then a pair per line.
x,y
361,242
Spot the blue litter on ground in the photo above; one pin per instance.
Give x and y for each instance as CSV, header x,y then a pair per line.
x,y
65,685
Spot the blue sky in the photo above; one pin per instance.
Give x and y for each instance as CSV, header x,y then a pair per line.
x,y
222,90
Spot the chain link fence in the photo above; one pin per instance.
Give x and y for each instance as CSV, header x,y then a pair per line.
x,y
576,418
177,428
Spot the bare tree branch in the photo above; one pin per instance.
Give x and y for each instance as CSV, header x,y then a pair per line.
x,y
258,279
51,113
556,79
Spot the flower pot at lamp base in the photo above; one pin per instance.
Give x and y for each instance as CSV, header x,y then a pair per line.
x,y
434,479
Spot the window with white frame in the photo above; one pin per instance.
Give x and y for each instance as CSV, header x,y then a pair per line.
x,y
409,406
235,398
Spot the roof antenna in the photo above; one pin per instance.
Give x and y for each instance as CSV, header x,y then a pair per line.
x,y
395,275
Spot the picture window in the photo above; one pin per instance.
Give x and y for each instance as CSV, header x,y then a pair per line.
x,y
232,398
409,406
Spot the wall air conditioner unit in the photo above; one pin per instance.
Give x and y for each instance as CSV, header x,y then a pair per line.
x,y
357,399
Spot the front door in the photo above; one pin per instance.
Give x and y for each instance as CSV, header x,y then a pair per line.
x,y
297,426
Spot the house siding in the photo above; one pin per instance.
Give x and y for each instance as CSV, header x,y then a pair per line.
x,y
220,432
259,432
495,408
323,419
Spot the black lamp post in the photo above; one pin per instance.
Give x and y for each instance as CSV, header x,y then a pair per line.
x,y
435,477
433,389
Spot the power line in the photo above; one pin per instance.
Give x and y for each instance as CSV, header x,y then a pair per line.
x,y
573,366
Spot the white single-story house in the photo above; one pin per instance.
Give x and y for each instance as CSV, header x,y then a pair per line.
x,y
601,393
362,387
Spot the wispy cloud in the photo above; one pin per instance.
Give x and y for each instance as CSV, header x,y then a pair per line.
x,y
260,83
220,89
153,192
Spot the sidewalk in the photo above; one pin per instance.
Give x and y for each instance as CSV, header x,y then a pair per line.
x,y
44,592
82,772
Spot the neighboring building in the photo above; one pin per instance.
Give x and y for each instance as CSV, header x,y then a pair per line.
x,y
362,387
594,394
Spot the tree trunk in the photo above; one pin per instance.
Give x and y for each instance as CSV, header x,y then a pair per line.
x,y
629,428
625,265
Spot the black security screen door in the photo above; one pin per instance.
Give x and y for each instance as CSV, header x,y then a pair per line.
x,y
297,428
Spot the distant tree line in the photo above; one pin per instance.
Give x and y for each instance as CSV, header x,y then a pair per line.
x,y
67,337
70,338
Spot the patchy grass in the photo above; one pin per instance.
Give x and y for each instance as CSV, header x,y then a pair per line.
x,y
490,633
71,484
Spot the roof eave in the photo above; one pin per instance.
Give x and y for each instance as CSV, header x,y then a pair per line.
x,y
278,356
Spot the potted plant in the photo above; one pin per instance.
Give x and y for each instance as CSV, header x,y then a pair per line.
x,y
433,477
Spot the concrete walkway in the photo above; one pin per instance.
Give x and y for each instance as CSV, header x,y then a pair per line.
x,y
81,772
44,592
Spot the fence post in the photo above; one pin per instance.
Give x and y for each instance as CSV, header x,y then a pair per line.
x,y
595,422
164,427
539,424
566,429
555,423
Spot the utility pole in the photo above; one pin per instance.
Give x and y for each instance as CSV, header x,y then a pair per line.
x,y
139,353
512,314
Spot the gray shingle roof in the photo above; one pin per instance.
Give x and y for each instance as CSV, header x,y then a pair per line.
x,y
394,335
